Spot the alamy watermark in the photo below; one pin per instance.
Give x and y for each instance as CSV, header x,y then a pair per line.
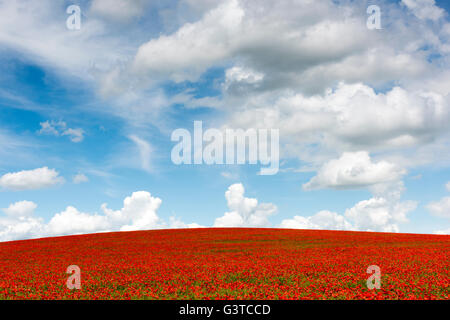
x,y
74,281
73,22
229,146
374,281
374,19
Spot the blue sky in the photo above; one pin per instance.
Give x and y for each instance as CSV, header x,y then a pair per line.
x,y
362,115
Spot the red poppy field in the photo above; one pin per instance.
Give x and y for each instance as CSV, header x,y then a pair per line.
x,y
228,264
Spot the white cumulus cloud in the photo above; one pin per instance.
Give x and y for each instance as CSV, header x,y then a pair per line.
x,y
20,209
350,118
21,228
175,223
379,214
139,212
323,220
31,179
354,170
19,222
440,208
203,43
244,212
71,221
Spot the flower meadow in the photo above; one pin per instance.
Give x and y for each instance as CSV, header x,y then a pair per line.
x,y
228,264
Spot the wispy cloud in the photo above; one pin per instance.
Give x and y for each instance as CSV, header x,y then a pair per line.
x,y
145,152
